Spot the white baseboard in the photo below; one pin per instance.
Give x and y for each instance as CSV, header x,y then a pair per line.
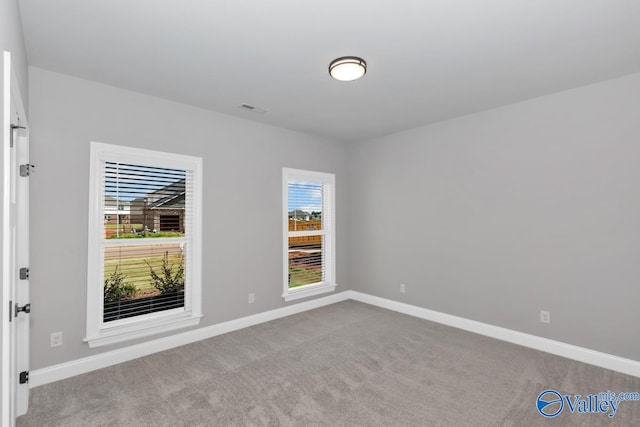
x,y
53,373
581,354
80,366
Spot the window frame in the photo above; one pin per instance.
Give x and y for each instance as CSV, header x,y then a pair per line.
x,y
328,231
97,333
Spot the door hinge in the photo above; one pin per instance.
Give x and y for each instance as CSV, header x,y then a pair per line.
x,y
25,308
24,377
24,273
25,170
14,127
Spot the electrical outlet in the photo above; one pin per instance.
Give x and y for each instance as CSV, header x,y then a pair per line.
x,y
403,288
55,339
252,298
545,316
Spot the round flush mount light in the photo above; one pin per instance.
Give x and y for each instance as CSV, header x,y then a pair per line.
x,y
347,68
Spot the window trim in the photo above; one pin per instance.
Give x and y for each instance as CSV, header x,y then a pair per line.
x,y
329,284
98,334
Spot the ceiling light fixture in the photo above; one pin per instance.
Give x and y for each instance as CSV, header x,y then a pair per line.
x,y
347,68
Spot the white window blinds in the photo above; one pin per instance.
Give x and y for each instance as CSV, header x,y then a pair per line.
x,y
309,230
147,219
145,255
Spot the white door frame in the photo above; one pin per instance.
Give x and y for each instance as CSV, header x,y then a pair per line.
x,y
15,249
7,399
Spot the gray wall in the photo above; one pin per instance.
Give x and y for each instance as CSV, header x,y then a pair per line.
x,y
492,216
242,200
11,39
497,215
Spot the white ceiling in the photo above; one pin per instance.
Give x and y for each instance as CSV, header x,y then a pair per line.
x,y
429,60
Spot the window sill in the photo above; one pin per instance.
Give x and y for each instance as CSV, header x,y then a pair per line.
x,y
143,329
298,293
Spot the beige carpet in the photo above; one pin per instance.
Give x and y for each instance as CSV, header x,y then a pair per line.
x,y
348,364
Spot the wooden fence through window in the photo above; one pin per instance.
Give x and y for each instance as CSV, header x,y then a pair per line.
x,y
304,226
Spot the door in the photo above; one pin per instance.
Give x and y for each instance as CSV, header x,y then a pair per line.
x,y
16,244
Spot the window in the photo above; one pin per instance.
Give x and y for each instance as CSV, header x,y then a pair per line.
x,y
144,268
309,234
170,222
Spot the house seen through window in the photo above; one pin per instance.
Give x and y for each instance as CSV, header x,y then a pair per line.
x,y
309,229
146,278
144,255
